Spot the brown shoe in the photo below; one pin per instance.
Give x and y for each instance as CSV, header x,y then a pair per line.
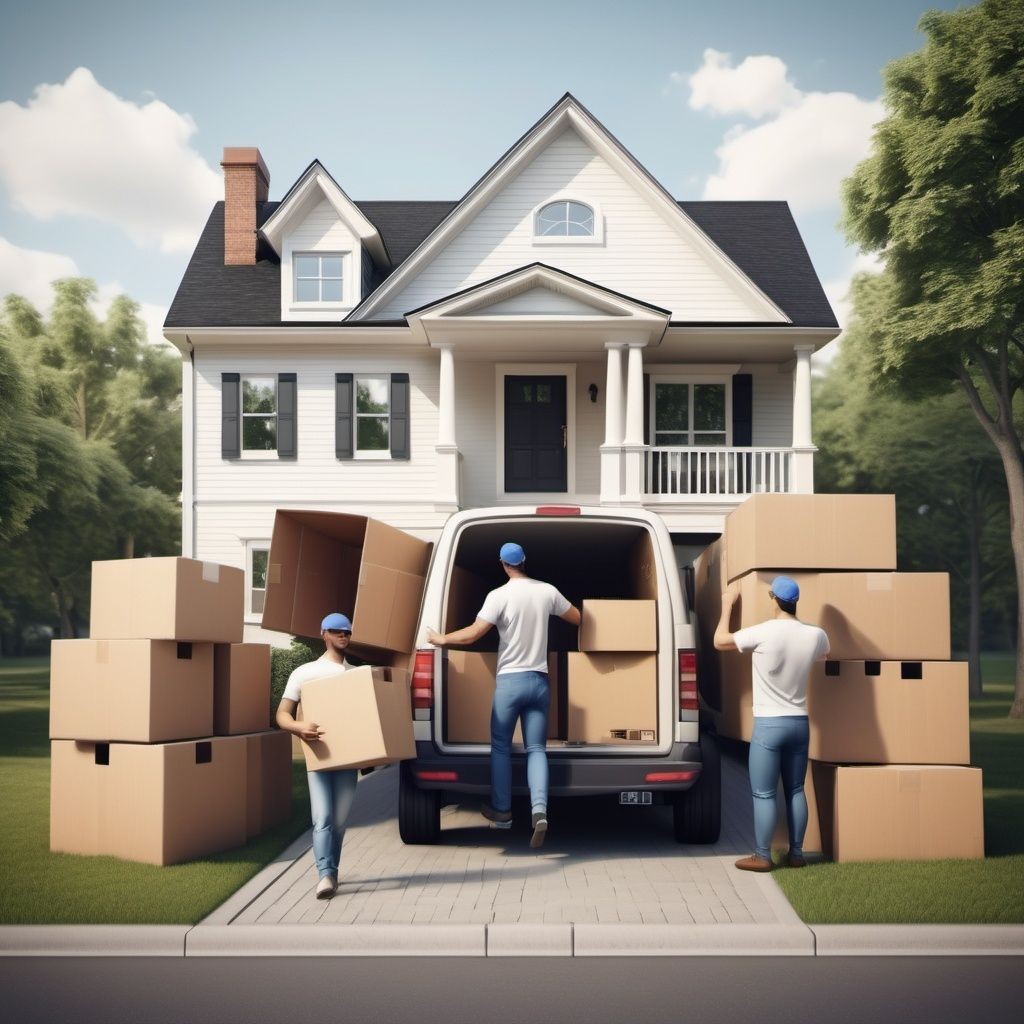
x,y
796,860
498,817
754,863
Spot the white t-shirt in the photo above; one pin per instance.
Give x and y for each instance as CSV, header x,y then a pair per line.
x,y
784,650
319,669
520,610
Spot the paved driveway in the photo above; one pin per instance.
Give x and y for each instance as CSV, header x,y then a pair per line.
x,y
602,863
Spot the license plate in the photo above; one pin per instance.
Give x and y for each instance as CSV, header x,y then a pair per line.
x,y
634,796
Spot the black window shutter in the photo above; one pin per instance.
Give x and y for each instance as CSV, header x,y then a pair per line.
x,y
287,407
742,410
230,435
344,419
399,415
647,408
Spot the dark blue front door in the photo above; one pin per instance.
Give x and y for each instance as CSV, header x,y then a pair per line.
x,y
535,434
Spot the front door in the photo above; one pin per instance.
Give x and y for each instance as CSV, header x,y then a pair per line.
x,y
535,434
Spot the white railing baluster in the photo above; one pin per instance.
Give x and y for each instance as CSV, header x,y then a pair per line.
x,y
684,471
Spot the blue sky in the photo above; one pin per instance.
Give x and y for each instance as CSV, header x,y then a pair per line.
x,y
109,172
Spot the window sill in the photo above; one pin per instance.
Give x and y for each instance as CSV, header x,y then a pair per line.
x,y
371,457
254,456
568,240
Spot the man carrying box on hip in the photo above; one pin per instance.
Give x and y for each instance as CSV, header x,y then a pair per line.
x,y
520,609
784,649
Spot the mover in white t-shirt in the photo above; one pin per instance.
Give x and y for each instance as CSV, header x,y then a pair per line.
x,y
330,791
783,649
520,610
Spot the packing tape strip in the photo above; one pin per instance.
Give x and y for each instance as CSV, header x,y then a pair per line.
x,y
211,572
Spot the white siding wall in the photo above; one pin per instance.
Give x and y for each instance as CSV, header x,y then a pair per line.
x,y
773,406
642,254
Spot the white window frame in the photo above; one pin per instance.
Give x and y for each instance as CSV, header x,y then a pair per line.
x,y
313,254
256,453
252,546
690,379
597,238
373,454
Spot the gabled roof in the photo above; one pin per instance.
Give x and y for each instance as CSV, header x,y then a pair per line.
x,y
567,113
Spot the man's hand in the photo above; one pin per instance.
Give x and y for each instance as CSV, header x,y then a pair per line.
x,y
310,731
435,638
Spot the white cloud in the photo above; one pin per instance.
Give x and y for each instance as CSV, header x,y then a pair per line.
x,y
78,149
756,87
838,291
31,273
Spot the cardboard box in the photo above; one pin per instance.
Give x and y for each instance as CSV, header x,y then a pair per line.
x,y
469,694
160,803
619,626
268,780
609,693
735,716
140,691
330,561
823,773
166,599
889,712
366,717
811,531
241,688
900,812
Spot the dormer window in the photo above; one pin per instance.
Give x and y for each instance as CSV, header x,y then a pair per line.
x,y
565,219
318,276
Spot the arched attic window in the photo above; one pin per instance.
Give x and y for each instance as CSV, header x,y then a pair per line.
x,y
564,219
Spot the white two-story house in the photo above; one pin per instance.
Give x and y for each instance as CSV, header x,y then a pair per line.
x,y
566,333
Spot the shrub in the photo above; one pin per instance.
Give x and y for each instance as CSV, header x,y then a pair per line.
x,y
285,660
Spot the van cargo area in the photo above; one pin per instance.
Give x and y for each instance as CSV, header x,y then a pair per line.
x,y
607,696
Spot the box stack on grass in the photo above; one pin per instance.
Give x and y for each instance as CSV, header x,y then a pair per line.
x,y
161,748
890,774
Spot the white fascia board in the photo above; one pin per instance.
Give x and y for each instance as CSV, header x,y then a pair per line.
x,y
318,183
259,337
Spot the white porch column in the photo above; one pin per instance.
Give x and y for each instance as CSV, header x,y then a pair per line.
x,y
188,455
802,481
611,450
633,442
448,495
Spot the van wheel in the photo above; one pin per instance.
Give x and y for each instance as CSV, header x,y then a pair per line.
x,y
419,811
697,811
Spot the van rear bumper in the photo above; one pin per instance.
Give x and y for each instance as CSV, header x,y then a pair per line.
x,y
568,775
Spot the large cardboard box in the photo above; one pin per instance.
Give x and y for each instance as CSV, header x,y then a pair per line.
x,y
268,780
330,561
365,715
160,803
469,693
886,712
811,531
241,688
612,697
619,626
166,599
734,717
140,691
900,812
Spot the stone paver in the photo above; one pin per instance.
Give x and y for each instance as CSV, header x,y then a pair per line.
x,y
601,864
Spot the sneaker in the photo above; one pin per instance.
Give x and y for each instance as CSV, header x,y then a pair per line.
x,y
754,863
540,829
498,817
796,860
326,887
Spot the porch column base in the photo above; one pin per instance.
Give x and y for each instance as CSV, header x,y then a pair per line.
x,y
611,474
633,474
448,495
802,480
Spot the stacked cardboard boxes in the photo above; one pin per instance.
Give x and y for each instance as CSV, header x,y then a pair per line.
x,y
161,747
888,711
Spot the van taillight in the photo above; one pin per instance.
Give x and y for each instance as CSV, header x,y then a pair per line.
x,y
559,510
423,680
688,681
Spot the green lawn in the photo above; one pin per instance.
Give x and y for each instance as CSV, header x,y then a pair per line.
x,y
40,887
986,891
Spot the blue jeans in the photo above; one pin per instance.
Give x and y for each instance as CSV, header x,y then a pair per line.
x,y
520,695
330,799
779,745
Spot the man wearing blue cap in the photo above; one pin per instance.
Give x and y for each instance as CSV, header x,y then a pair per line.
x,y
784,649
330,791
520,609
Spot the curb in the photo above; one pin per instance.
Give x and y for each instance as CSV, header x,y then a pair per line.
x,y
919,939
93,939
692,940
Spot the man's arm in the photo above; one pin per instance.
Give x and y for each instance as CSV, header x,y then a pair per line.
x,y
572,616
461,637
723,637
285,719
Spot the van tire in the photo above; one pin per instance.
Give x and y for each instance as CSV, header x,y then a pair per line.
x,y
419,811
697,811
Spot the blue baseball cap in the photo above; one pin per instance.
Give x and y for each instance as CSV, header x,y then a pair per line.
x,y
785,589
336,621
512,554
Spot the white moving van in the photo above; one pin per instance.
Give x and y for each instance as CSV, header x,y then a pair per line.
x,y
587,553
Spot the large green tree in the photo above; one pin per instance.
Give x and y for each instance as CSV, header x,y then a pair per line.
x,y
941,198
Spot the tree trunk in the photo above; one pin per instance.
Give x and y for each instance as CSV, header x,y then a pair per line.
x,y
974,615
67,629
128,547
1013,465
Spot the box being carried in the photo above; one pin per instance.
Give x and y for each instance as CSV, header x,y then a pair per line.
x,y
365,716
166,599
618,626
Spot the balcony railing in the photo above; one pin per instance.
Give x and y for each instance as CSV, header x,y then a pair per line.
x,y
690,472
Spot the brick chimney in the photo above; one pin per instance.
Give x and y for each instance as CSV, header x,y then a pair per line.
x,y
246,183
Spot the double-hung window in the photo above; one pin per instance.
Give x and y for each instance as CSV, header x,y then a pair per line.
x,y
373,416
689,414
256,577
319,276
259,413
